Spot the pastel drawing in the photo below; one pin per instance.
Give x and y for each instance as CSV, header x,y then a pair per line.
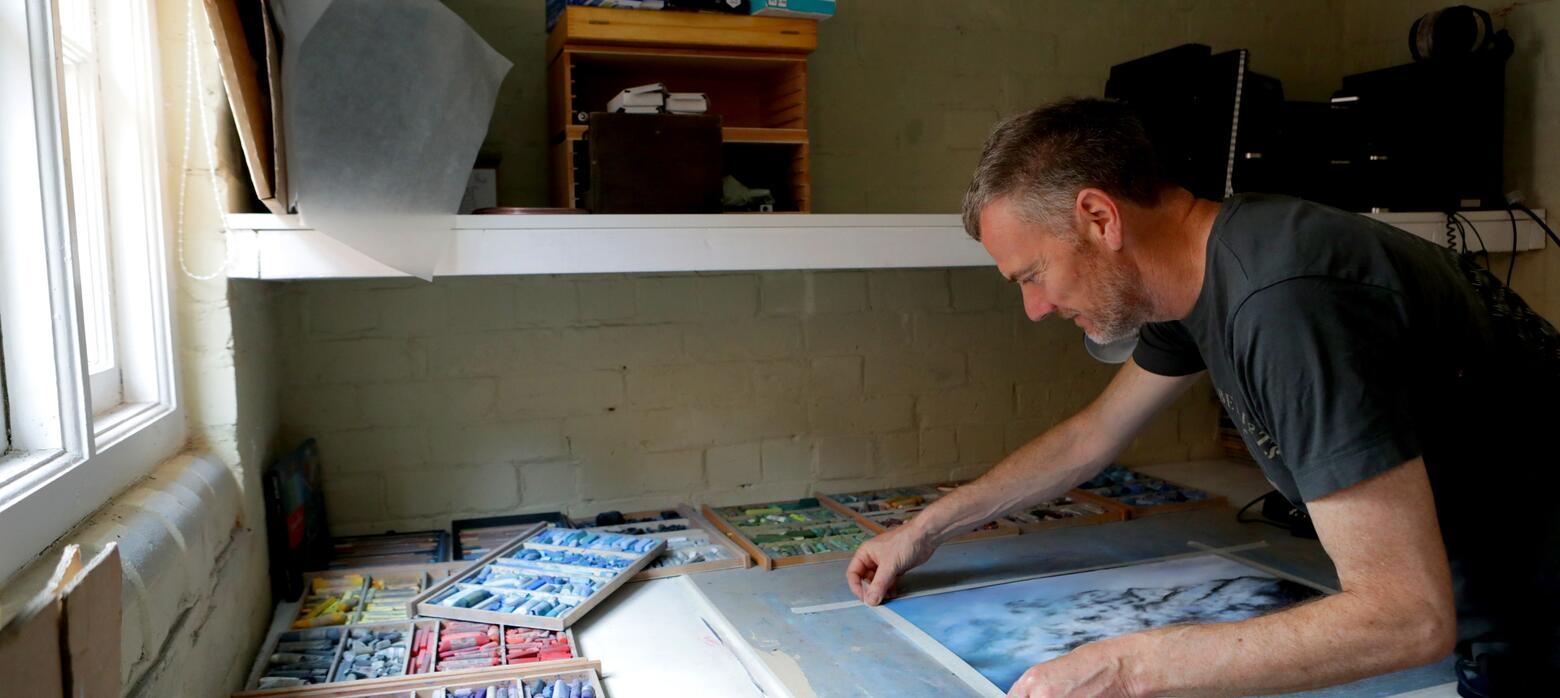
x,y
1002,630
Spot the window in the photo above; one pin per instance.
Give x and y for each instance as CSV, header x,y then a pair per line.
x,y
89,198
86,351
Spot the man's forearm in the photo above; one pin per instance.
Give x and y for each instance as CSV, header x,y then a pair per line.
x,y
1042,469
1341,638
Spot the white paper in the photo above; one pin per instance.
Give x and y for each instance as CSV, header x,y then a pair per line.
x,y
687,657
386,103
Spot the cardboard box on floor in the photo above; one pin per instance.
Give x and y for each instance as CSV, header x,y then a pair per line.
x,y
65,641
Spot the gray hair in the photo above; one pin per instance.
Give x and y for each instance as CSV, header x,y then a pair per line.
x,y
1044,157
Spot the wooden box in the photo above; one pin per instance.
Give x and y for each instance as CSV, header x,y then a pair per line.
x,y
278,641
753,70
619,27
697,533
1144,495
517,679
330,598
872,508
743,524
520,685
289,611
604,580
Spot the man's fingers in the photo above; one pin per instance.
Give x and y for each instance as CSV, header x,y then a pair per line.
x,y
877,590
860,567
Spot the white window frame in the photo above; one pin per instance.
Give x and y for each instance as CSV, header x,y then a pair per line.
x,y
92,183
63,461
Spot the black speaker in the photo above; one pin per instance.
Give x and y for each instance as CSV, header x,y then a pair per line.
x,y
1211,119
1431,132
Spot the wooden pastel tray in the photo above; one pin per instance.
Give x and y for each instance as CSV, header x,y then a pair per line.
x,y
1073,509
1144,495
517,686
882,509
517,679
331,598
412,663
605,580
741,525
720,552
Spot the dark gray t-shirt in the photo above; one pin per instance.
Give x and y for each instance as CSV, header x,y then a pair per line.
x,y
1343,347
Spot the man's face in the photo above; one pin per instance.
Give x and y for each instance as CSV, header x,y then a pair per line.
x,y
1072,274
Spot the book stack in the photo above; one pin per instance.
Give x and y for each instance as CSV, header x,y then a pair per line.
x,y
654,99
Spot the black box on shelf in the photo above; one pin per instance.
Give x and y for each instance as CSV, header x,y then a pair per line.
x,y
654,163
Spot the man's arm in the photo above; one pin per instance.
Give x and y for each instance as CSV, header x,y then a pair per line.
x,y
1056,461
1045,468
1394,611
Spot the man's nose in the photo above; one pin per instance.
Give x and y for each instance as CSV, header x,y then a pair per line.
x,y
1035,305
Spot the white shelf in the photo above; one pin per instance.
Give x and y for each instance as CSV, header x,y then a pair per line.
x,y
274,247
269,247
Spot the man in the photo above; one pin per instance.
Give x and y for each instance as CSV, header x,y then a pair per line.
x,y
1394,390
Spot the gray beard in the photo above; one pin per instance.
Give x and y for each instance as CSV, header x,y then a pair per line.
x,y
1126,307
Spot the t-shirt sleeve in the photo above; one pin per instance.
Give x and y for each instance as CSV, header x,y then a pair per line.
x,y
1329,362
1166,348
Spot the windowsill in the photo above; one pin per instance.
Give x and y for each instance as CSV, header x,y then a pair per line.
x,y
120,422
43,499
15,467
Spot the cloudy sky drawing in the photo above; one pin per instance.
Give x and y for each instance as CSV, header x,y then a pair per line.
x,y
1004,629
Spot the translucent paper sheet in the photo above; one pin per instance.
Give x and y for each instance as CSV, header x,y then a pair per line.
x,y
386,104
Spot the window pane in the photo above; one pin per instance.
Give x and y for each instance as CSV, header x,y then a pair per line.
x,y
75,22
89,201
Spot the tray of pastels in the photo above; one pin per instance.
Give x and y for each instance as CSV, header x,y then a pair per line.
x,y
353,653
579,683
1145,494
546,577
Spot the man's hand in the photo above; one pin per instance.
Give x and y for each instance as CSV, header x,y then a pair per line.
x,y
880,561
1095,670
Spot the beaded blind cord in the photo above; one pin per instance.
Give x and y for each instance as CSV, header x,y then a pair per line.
x,y
193,79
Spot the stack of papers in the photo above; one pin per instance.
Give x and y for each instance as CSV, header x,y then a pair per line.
x,y
687,103
654,99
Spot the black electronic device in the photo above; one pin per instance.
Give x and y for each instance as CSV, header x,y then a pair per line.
x,y
654,163
1212,120
1430,132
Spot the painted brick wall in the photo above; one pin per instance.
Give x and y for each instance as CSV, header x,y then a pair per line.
x,y
468,397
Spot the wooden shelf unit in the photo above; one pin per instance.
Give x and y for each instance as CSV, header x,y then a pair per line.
x,y
754,72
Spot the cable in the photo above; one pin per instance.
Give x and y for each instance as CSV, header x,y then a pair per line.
x,y
193,79
1240,515
1451,234
1511,266
1530,214
1483,248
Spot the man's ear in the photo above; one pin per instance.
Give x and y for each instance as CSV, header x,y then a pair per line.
x,y
1101,218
